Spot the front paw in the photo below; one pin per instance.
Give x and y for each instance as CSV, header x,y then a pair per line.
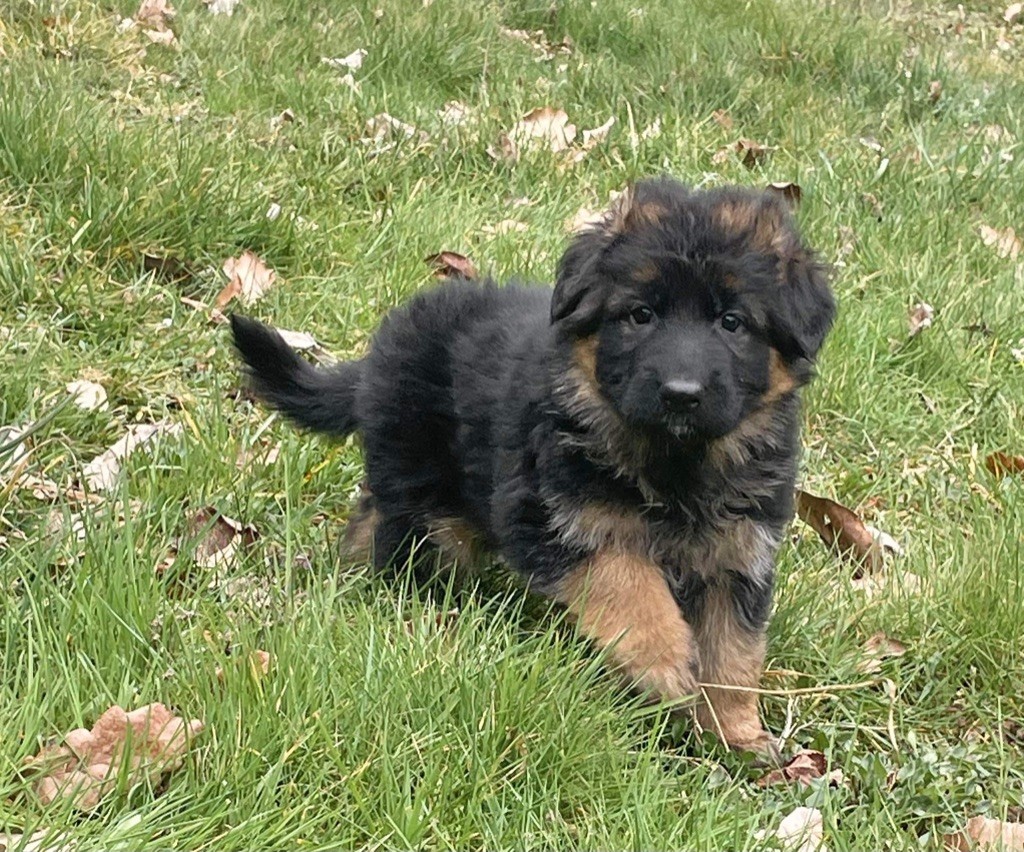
x,y
765,748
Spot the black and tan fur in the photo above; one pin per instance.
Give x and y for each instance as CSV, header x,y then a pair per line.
x,y
627,442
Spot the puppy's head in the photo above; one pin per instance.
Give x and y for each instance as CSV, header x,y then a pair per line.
x,y
689,310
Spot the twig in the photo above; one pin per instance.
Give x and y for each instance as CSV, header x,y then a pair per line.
x,y
805,690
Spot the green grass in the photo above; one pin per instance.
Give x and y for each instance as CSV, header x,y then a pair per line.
x,y
498,729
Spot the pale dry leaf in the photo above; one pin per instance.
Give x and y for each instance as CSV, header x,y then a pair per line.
x,y
258,665
40,487
155,13
802,830
151,740
543,128
101,474
273,211
249,278
872,144
584,218
1005,242
43,840
877,648
920,318
982,834
505,226
221,7
165,37
505,149
383,127
934,90
305,342
286,116
89,396
888,584
652,131
352,62
597,135
750,153
722,118
1012,13
454,113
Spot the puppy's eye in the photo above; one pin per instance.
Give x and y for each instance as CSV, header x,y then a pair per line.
x,y
731,322
641,314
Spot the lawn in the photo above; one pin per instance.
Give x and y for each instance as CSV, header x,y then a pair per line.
x,y
131,168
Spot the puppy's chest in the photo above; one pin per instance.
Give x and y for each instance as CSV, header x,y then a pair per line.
x,y
676,543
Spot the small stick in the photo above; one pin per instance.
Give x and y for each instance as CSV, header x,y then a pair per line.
x,y
805,690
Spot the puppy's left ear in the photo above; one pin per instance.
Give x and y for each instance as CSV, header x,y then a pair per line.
x,y
800,308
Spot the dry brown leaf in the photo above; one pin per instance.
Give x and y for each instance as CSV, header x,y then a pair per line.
x,y
934,90
154,15
1012,13
219,537
801,769
543,128
788,190
1005,242
451,264
879,647
89,396
920,318
802,830
594,137
383,126
101,474
982,833
249,278
840,529
722,118
538,40
751,153
87,766
304,342
1003,464
259,663
454,113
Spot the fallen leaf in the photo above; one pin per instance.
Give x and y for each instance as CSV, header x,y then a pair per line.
x,y
13,449
538,40
165,37
305,342
879,647
920,318
451,264
801,769
353,62
259,663
165,268
154,16
1003,464
652,131
788,190
872,144
249,278
584,218
40,487
722,118
505,226
934,90
874,204
286,116
1005,242
383,127
219,537
152,740
505,149
840,529
89,396
221,7
982,833
800,831
544,128
43,840
751,153
265,454
594,137
887,583
1013,12
101,474
454,113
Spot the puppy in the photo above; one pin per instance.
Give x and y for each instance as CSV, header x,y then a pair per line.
x,y
627,442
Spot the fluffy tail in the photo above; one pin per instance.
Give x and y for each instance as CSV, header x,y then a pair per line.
x,y
319,399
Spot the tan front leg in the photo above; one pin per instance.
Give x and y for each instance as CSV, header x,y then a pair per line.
x,y
622,602
731,656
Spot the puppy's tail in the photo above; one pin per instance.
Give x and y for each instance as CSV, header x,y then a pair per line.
x,y
319,399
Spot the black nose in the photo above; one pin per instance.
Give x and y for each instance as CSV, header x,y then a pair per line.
x,y
681,394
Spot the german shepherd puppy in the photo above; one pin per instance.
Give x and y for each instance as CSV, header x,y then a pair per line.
x,y
628,442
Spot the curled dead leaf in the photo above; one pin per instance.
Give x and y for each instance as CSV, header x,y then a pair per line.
x,y
1003,464
801,769
722,118
87,766
791,192
352,62
840,529
879,647
249,278
218,537
543,128
221,7
920,318
751,153
982,834
451,264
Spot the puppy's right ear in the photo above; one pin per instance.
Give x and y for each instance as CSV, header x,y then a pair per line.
x,y
579,292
